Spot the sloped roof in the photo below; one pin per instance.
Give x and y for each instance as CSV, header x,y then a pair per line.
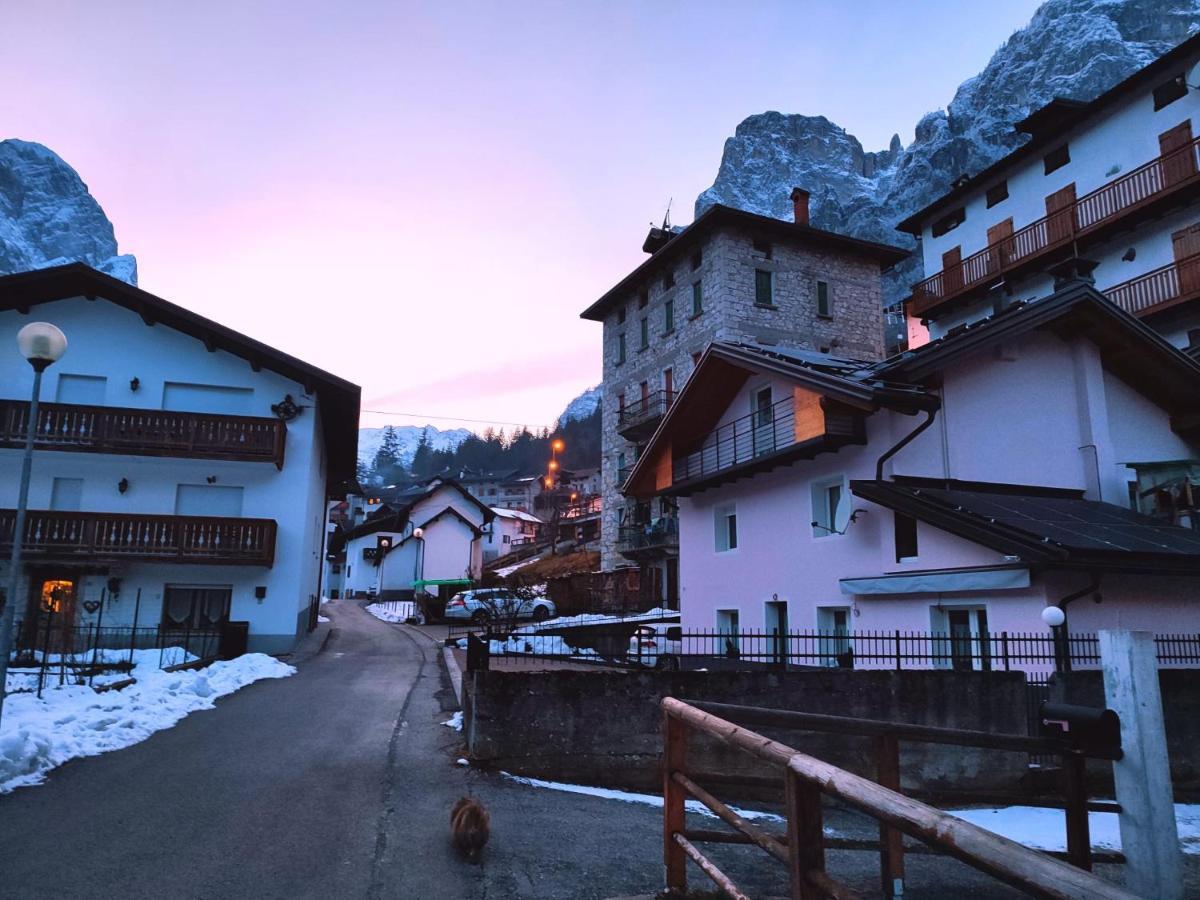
x,y
393,518
1057,528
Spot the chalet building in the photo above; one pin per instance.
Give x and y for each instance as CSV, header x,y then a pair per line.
x,y
435,539
1107,189
1042,454
734,276
510,529
181,469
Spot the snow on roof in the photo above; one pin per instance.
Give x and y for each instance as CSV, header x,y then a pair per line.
x,y
503,513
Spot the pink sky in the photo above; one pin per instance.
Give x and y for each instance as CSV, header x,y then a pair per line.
x,y
422,198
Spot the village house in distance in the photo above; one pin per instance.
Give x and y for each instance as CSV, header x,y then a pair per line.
x,y
181,469
730,275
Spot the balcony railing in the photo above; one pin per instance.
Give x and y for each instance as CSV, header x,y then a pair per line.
x,y
743,440
659,535
1157,178
1167,285
146,538
143,432
623,473
588,506
644,414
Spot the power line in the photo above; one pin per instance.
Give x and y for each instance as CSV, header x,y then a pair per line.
x,y
391,412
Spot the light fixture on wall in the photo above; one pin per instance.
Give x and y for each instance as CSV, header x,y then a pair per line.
x,y
123,485
135,383
260,593
211,479
1130,254
287,408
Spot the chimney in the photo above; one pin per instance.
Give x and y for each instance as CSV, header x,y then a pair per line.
x,y
800,205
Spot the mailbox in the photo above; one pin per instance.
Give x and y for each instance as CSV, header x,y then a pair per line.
x,y
1093,730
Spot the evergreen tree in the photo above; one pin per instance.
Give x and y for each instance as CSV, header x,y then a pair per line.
x,y
387,457
423,458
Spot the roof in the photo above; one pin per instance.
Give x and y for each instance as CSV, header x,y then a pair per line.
x,y
393,518
502,513
717,216
339,399
1045,526
1049,124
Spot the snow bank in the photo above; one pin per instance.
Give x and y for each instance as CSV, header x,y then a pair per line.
x,y
455,721
74,721
535,645
393,610
1045,829
600,619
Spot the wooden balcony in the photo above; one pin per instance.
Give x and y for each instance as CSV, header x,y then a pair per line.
x,y
638,420
1158,289
144,432
108,537
1088,219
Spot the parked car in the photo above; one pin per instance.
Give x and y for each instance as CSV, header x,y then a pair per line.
x,y
491,604
659,644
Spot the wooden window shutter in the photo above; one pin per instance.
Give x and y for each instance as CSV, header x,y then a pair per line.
x,y
1000,249
1060,210
1179,157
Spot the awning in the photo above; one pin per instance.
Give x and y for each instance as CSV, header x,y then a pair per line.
x,y
989,578
456,582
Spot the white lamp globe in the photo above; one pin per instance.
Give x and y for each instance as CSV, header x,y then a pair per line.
x,y
1053,616
41,342
418,533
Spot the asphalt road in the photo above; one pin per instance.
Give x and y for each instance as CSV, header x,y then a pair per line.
x,y
337,782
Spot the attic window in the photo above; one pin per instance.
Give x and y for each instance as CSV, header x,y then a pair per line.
x,y
762,247
997,193
949,222
1170,91
1057,158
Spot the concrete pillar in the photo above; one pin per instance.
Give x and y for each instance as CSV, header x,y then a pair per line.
x,y
1149,837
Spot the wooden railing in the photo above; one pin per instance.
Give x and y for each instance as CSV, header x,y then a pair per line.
x,y
802,849
143,432
149,538
1102,206
1172,283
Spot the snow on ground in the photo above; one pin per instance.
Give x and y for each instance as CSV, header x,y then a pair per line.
x,y
600,619
541,644
21,678
393,610
455,721
1045,829
74,721
323,619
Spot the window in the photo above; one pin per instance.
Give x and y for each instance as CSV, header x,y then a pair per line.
x,y
620,349
697,299
620,467
1056,159
906,537
833,623
827,502
762,247
643,299
949,222
728,627
697,259
997,193
193,606
621,403
764,293
669,382
668,281
824,309
1169,91
964,642
668,316
763,410
621,316
645,332
725,527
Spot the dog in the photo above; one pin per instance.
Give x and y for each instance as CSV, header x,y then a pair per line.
x,y
470,827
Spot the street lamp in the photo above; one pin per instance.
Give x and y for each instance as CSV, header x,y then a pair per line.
x,y
419,562
1055,617
42,344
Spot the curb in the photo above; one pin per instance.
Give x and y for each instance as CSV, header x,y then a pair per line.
x,y
455,673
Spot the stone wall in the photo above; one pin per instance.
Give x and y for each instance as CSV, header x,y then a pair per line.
x,y
604,728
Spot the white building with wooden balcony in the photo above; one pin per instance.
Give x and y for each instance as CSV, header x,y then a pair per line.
x,y
180,471
1106,188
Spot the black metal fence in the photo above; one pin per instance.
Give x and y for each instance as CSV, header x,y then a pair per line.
x,y
50,652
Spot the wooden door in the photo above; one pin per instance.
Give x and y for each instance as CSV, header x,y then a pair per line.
x,y
1175,145
999,245
1186,244
1060,209
952,276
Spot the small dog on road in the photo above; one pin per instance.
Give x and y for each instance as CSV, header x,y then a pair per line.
x,y
470,826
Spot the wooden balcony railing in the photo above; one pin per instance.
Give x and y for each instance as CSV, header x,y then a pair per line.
x,y
644,414
145,538
143,432
1158,288
1159,177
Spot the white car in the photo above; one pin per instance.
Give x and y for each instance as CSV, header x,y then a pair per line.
x,y
498,604
659,644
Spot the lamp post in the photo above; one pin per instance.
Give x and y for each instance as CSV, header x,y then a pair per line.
x,y
551,482
1056,618
42,344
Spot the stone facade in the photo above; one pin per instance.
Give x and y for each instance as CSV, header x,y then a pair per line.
x,y
725,264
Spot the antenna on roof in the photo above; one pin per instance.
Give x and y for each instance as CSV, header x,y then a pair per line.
x,y
666,225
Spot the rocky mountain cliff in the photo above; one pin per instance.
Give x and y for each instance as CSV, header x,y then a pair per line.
x,y
47,216
1070,48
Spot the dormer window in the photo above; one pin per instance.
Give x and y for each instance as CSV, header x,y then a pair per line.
x,y
1056,158
950,221
1169,91
997,193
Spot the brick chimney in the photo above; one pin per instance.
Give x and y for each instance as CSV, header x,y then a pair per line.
x,y
800,205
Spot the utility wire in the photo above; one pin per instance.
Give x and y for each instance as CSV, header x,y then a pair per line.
x,y
391,412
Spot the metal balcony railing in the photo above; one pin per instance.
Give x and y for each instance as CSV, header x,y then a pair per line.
x,y
1169,284
661,534
1105,205
151,538
740,441
143,432
645,413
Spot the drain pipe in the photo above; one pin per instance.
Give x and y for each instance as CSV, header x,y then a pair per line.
x,y
930,415
1062,646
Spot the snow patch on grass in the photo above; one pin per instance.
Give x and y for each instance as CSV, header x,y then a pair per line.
x,y
1045,829
74,721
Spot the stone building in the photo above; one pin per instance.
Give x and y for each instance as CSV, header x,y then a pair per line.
x,y
732,276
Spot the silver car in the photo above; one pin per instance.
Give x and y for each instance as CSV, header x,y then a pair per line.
x,y
498,604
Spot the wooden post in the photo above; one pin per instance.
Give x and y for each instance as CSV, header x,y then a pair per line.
x,y
1079,838
674,759
891,840
1149,837
806,835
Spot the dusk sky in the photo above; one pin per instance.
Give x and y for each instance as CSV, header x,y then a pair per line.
x,y
421,198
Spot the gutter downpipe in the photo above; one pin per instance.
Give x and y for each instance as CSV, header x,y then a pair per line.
x,y
930,415
1062,646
